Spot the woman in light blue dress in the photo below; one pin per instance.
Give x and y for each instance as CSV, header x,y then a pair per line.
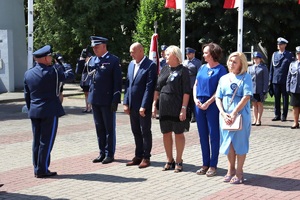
x,y
235,144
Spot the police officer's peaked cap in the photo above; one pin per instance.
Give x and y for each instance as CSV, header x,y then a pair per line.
x,y
257,55
189,50
281,40
298,49
42,52
163,47
96,40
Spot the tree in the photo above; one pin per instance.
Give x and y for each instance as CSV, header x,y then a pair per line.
x,y
67,25
149,12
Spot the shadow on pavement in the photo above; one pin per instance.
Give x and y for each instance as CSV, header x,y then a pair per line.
x,y
100,177
6,195
271,182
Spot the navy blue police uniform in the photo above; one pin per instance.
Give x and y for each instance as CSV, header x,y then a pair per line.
x,y
278,75
162,60
41,90
104,96
193,67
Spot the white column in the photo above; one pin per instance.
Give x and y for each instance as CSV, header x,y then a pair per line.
x,y
30,34
240,26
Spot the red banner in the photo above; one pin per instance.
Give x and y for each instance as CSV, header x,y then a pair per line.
x,y
228,4
153,53
172,4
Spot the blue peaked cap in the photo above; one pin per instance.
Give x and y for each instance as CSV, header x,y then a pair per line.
x,y
96,40
43,52
189,50
257,55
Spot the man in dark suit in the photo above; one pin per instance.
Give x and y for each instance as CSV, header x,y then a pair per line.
x,y
104,96
279,67
41,89
141,81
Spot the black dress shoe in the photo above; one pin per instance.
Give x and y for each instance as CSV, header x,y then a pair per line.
x,y
108,160
294,127
276,119
48,174
283,118
99,159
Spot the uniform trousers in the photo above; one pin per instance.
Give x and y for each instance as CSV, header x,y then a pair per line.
x,y
44,133
141,129
209,133
105,122
280,89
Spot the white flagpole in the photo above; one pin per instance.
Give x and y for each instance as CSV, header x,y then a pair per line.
x,y
240,26
30,34
182,32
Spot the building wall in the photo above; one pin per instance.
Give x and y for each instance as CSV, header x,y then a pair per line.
x,y
13,52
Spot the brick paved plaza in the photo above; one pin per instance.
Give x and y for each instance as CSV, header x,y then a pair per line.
x,y
272,167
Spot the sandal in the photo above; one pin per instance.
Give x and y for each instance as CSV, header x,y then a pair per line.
x,y
236,180
227,178
169,165
202,171
211,173
178,167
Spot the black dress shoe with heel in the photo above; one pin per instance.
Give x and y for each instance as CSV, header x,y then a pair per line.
x,y
99,159
295,126
169,165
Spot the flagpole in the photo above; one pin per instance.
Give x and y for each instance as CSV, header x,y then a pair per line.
x,y
182,32
240,26
30,34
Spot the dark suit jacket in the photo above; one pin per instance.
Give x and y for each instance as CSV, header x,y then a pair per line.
x,y
106,86
41,85
140,89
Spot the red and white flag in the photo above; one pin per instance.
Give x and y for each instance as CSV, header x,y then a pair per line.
x,y
153,53
176,4
229,4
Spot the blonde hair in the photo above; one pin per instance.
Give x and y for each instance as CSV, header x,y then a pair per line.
x,y
243,60
175,51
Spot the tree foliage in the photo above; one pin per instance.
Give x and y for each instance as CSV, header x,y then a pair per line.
x,y
150,11
67,25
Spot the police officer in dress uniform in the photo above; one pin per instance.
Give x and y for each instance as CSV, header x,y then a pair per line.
x,y
193,64
162,60
41,90
279,67
293,87
104,96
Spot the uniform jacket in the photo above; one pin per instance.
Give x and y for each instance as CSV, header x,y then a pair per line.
x,y
293,78
193,66
106,85
279,67
260,78
41,90
140,89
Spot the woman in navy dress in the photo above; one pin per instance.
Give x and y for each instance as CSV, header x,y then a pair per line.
x,y
207,113
260,80
235,144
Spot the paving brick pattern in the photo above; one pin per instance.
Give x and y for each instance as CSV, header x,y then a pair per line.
x,y
272,168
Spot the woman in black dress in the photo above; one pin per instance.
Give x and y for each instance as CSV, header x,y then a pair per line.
x,y
173,89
